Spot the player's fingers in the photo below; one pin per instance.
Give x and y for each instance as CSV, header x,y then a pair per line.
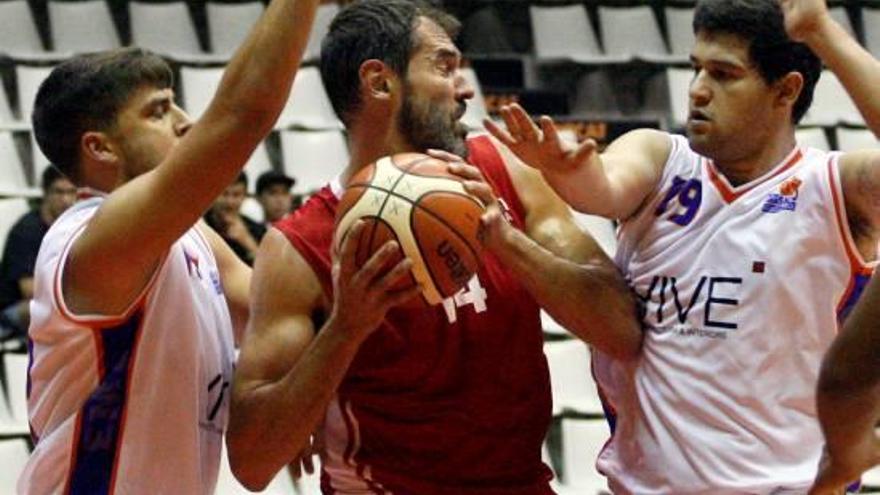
x,y
512,123
585,150
348,248
551,135
377,262
499,133
398,297
387,280
481,190
445,156
527,127
466,171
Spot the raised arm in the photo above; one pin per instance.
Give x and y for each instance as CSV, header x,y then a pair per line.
x,y
122,245
808,21
848,397
613,184
287,371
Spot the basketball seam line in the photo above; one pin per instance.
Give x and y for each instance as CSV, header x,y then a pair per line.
x,y
415,204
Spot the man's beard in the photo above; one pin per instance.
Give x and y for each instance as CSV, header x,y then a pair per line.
x,y
427,127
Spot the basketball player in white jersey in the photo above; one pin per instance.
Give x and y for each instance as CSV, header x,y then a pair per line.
x,y
131,335
745,249
847,401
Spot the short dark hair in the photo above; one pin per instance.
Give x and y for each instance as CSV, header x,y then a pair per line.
x,y
762,24
271,177
241,179
51,175
372,29
86,93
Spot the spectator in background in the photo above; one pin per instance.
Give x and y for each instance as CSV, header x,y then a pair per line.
x,y
243,234
273,193
20,253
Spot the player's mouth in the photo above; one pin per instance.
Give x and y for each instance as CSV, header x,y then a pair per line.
x,y
697,116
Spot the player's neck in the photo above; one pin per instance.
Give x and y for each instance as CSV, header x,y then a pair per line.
x,y
366,145
748,168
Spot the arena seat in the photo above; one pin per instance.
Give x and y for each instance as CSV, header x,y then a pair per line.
x,y
313,157
856,139
164,28
12,176
679,30
618,25
308,105
81,26
564,34
18,31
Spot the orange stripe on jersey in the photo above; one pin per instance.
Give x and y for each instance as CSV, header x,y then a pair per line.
x,y
730,194
98,321
73,450
857,263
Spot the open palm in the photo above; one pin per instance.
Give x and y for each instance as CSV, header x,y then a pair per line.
x,y
539,147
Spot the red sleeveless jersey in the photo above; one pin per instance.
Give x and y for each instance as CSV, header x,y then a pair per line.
x,y
452,398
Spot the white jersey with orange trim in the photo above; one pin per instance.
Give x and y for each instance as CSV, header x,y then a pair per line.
x,y
134,403
742,288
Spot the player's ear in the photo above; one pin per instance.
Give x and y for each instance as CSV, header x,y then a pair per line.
x,y
789,88
376,79
97,147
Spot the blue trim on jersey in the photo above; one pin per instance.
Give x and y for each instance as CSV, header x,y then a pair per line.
x,y
610,416
101,415
860,281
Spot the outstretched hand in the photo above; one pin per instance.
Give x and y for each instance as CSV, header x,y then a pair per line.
x,y
802,17
540,147
362,296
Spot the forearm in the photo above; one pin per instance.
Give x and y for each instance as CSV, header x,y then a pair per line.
x,y
586,189
848,392
272,422
857,69
589,298
257,80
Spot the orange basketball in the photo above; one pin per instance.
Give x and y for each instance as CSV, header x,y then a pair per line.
x,y
412,198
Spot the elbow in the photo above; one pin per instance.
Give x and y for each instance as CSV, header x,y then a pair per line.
x,y
242,464
243,452
627,344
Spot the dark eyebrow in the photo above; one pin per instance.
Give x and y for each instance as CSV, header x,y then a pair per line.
x,y
722,64
447,53
163,99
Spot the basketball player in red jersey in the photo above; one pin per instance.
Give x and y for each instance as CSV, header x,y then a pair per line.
x,y
848,405
453,398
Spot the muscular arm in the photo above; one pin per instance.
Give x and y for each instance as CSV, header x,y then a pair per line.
x,y
123,244
848,395
613,184
567,271
860,182
809,21
287,373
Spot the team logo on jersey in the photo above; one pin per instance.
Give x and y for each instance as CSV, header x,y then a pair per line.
x,y
785,199
192,263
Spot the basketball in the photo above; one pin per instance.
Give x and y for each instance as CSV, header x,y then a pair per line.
x,y
412,198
